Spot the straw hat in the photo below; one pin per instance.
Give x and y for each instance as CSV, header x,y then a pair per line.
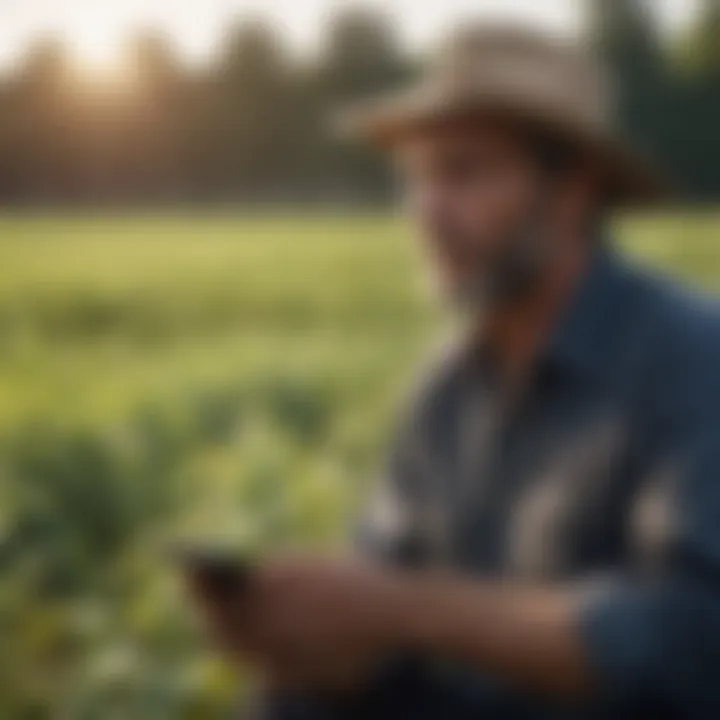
x,y
516,73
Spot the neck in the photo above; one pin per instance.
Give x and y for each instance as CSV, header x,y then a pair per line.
x,y
515,333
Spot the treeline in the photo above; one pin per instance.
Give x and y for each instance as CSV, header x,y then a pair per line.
x,y
253,125
668,89
250,126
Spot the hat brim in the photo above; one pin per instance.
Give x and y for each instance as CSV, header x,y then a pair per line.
x,y
629,179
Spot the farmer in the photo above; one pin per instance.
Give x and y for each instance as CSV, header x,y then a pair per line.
x,y
547,541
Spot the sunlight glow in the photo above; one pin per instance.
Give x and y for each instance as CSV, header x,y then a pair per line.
x,y
97,30
96,42
99,40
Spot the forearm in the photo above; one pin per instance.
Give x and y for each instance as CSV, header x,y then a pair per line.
x,y
524,636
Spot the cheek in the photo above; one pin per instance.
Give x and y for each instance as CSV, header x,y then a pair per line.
x,y
499,210
482,221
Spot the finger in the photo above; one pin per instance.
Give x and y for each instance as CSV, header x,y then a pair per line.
x,y
228,624
289,673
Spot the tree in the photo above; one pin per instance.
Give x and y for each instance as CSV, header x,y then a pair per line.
x,y
653,103
626,35
38,151
251,111
696,148
703,43
149,130
361,58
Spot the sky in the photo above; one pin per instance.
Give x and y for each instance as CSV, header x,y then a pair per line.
x,y
95,29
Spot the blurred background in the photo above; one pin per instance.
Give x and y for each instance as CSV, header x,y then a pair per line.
x,y
208,307
112,102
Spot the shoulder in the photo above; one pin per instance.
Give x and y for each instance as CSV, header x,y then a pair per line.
x,y
681,332
686,322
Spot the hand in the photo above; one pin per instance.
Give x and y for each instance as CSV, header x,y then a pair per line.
x,y
325,624
319,622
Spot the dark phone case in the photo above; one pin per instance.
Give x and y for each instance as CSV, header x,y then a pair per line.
x,y
221,573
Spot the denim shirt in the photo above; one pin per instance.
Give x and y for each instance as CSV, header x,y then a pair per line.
x,y
603,477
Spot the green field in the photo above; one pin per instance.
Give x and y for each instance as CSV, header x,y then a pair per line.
x,y
193,376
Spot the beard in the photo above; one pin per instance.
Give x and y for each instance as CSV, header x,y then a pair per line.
x,y
509,275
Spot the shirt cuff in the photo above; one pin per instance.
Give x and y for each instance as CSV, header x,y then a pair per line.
x,y
617,628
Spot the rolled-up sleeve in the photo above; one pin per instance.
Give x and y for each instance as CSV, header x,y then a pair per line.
x,y
656,639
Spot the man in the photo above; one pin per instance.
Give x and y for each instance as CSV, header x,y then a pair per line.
x,y
547,543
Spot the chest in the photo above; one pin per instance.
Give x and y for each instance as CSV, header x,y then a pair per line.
x,y
550,488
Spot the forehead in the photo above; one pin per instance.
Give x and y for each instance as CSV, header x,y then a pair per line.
x,y
481,138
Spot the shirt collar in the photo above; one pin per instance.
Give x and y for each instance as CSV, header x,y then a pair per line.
x,y
588,330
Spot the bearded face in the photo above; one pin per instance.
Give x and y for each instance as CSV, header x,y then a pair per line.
x,y
486,212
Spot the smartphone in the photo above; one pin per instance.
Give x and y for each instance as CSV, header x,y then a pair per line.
x,y
222,574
